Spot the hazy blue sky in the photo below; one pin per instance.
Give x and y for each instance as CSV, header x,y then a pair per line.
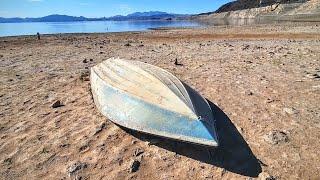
x,y
100,8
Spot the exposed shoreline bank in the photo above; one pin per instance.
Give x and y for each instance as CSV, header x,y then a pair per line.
x,y
263,79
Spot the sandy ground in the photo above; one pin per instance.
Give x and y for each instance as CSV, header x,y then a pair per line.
x,y
262,83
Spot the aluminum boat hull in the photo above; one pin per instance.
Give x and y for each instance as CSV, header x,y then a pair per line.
x,y
148,99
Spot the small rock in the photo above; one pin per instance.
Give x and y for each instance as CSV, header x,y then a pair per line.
x,y
290,111
269,100
85,76
134,167
84,147
138,152
76,167
271,53
8,161
127,44
313,76
120,161
276,137
141,45
248,92
64,145
246,47
57,104
18,76
85,61
152,142
177,63
91,60
100,128
266,176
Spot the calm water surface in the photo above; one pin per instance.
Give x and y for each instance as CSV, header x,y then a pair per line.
x,y
15,29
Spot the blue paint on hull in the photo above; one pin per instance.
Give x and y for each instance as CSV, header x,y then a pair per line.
x,y
136,114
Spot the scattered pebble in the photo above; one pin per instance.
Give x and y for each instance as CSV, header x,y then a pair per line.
x,y
248,92
85,76
269,100
134,167
134,142
7,161
266,176
76,167
100,128
271,53
177,63
127,44
138,152
276,137
85,61
84,147
290,111
57,104
313,76
152,142
64,145
246,47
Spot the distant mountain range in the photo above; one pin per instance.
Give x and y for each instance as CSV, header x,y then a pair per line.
x,y
152,15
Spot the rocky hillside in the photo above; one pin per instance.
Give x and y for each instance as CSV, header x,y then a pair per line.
x,y
248,4
297,10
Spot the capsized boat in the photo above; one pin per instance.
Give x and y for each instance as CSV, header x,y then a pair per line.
x,y
148,99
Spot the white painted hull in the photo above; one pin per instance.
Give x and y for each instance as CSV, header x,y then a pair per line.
x,y
148,99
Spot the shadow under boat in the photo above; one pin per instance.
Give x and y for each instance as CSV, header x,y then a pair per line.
x,y
232,154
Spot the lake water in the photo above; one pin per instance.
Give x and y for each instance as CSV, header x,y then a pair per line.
x,y
15,29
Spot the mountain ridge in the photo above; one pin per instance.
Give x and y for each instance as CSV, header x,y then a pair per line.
x,y
151,15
